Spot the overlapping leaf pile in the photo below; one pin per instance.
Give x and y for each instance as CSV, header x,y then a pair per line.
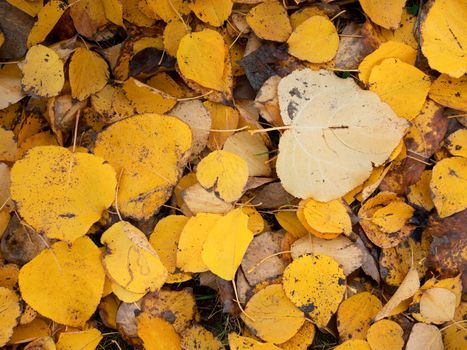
x,y
248,174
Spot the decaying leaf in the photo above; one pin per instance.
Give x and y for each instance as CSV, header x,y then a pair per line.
x,y
197,337
424,337
327,144
199,200
237,342
11,311
47,18
450,92
10,85
437,305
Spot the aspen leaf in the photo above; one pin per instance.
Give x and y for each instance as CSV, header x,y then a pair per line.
x,y
197,337
404,33
201,57
289,222
388,49
420,193
125,295
47,18
273,317
169,10
226,244
88,17
163,82
185,182
32,8
448,186
269,21
385,13
385,334
302,340
11,311
61,193
213,12
150,165
113,10
223,118
108,308
355,315
84,340
41,139
333,140
444,40
157,334
35,329
192,238
10,85
225,173
437,305
450,92
112,104
237,342
84,64
255,220
199,200
300,16
133,14
130,260
356,344
9,275
173,33
42,72
146,99
315,40
457,143
8,145
400,85
424,337
64,283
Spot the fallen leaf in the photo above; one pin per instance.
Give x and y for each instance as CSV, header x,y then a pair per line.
x,y
157,333
197,337
424,337
385,334
356,344
302,340
84,340
222,118
457,143
213,13
11,311
386,14
420,194
10,85
199,200
269,21
146,99
8,146
237,342
47,18
437,305
450,92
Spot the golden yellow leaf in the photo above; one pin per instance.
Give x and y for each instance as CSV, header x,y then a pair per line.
x,y
8,275
10,86
384,335
385,13
64,283
174,31
113,10
169,10
444,39
390,49
400,85
355,315
437,305
197,337
271,316
447,185
125,295
315,40
147,42
302,340
450,92
83,65
163,82
404,33
130,260
32,8
356,344
420,194
133,14
269,21
226,244
185,182
150,165
157,334
201,57
61,193
41,139
237,342
301,15
457,143
304,222
88,17
35,329
255,220
393,216
47,18
214,12
83,340
332,140
112,104
9,315
108,308
289,222
192,238
223,118
316,285
43,343
8,145
454,337
42,72
199,200
164,239
224,173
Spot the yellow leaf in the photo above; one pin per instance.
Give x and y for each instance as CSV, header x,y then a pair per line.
x,y
271,316
88,17
130,260
269,21
424,337
390,49
447,185
327,217
10,87
316,285
302,340
11,311
42,72
450,92
191,242
315,40
47,18
289,222
83,65
255,220
133,14
150,165
197,337
35,329
392,217
43,343
146,99
213,12
400,85
185,182
356,344
164,239
237,342
174,31
301,15
169,10
332,139
355,315
384,335
125,295
8,275
444,39
112,104
420,193
385,13
8,145
223,118
82,340
41,139
201,57
404,33
61,193
113,10
457,143
32,8
199,200
225,173
64,283
226,244
163,82
157,334
437,305
108,308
